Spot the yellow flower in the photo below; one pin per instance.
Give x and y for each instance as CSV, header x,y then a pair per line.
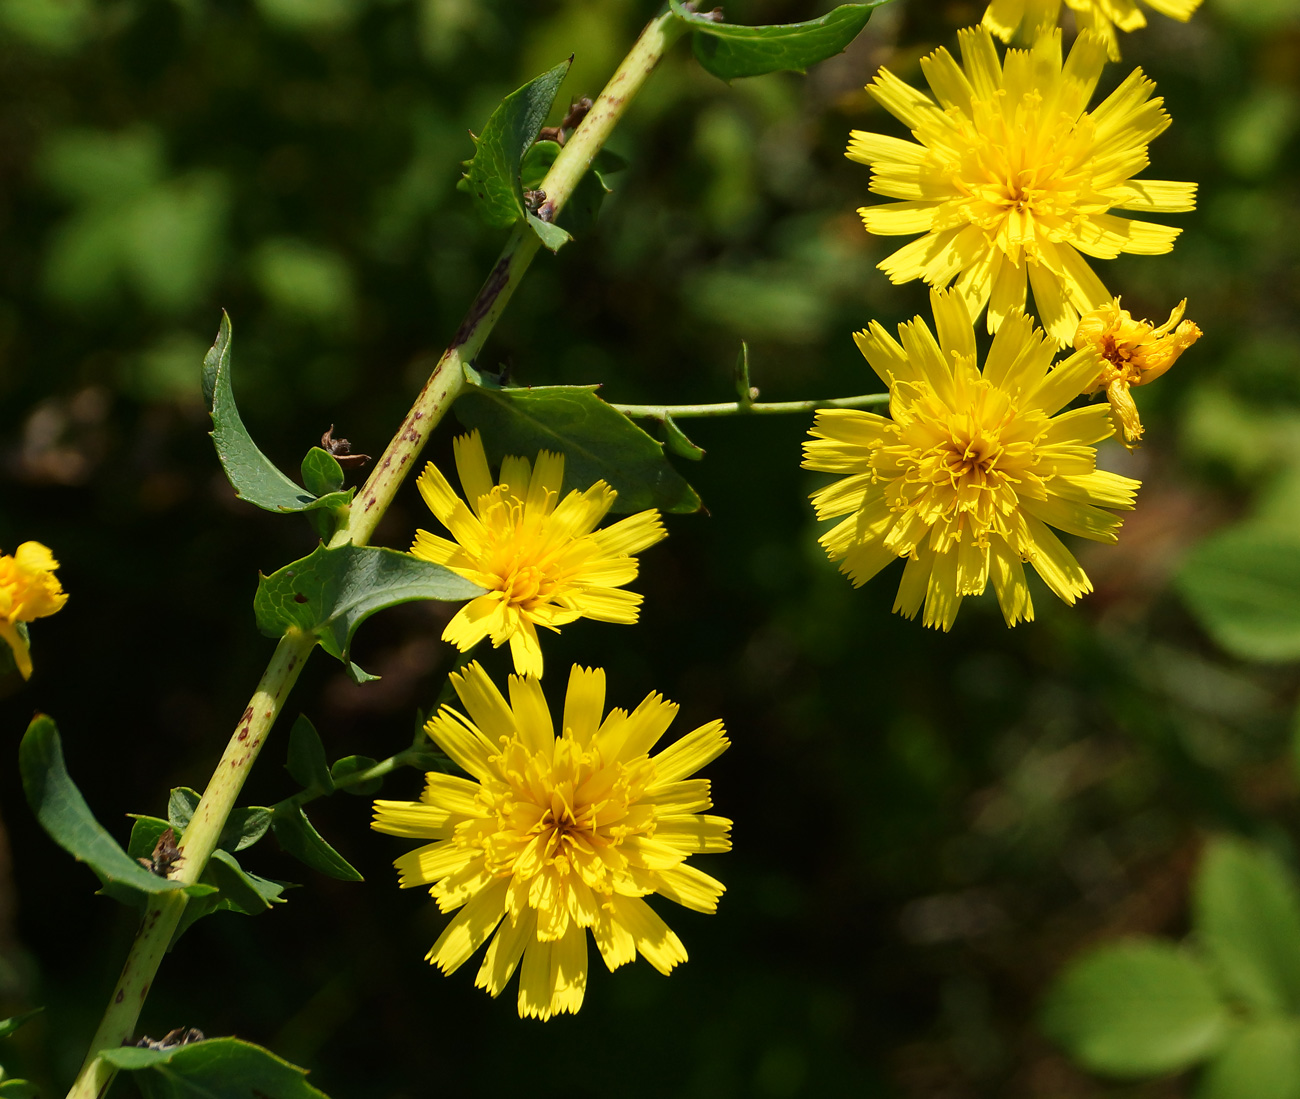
x,y
1133,353
970,469
541,559
1030,17
553,835
28,590
1013,179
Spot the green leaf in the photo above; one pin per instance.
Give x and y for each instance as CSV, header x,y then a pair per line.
x,y
494,174
8,1026
251,473
1136,1009
331,592
303,842
181,804
244,827
552,235
219,1068
598,442
1243,585
676,441
18,1089
728,51
240,890
746,394
351,765
321,472
1261,1061
145,834
583,206
64,814
1247,915
307,764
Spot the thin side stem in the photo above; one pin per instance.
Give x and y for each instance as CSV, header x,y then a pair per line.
x,y
163,914
743,408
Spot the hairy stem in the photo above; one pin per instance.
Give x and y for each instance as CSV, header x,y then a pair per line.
x,y
744,408
164,911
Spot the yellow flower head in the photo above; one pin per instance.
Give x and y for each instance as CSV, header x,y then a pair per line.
x,y
1133,353
970,470
1013,178
28,590
553,835
541,559
1030,17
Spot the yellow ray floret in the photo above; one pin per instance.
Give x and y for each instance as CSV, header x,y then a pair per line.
x,y
1029,18
1012,180
541,558
970,470
28,590
557,833
1132,353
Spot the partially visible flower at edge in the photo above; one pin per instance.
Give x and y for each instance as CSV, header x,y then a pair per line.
x,y
971,468
552,836
1029,18
541,559
1133,353
28,590
1013,180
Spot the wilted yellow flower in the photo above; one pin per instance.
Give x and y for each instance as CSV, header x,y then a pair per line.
x,y
28,590
553,835
1030,17
1013,179
1133,353
970,470
541,558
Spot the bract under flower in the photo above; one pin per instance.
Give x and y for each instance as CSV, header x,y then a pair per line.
x,y
541,559
971,468
554,835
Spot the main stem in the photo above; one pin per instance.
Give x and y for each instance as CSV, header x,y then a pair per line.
x,y
164,911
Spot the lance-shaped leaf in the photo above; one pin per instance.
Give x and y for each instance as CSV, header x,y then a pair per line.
x,y
330,592
252,474
728,50
19,1089
494,174
219,1068
297,836
67,818
8,1026
307,764
598,442
344,769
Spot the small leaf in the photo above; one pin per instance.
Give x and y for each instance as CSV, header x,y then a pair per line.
x,y
1243,585
321,472
331,592
307,764
219,1068
244,827
583,206
18,1089
552,235
145,834
1261,1061
729,51
351,765
1136,1009
676,441
240,890
8,1026
181,804
746,394
252,474
64,814
598,442
1247,914
303,842
494,173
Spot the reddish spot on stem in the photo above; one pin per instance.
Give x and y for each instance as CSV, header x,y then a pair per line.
x,y
121,995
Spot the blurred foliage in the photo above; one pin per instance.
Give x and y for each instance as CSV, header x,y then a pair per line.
x,y
929,827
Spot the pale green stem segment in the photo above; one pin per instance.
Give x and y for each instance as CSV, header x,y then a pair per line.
x,y
744,408
445,383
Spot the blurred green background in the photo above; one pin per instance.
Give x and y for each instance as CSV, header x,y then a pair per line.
x,y
927,826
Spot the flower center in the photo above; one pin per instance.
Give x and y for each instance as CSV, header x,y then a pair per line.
x,y
526,585
969,456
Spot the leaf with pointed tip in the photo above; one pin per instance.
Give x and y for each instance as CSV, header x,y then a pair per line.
x,y
8,1026
218,1068
676,441
728,50
252,474
303,842
64,814
307,765
330,592
598,442
348,766
494,174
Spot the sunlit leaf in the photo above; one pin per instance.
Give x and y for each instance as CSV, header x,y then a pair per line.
x,y
598,442
1261,1061
729,51
307,764
303,842
219,1068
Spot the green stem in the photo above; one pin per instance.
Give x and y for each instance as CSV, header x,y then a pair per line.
x,y
744,408
408,757
164,911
